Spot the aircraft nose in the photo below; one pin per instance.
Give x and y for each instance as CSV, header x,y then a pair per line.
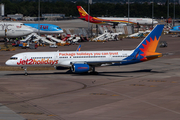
x,y
170,30
61,31
155,22
28,31
7,62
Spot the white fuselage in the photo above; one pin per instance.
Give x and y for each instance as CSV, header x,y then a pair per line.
x,y
141,21
66,59
14,29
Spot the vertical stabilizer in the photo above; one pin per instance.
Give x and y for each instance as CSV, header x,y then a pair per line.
x,y
146,50
82,12
79,48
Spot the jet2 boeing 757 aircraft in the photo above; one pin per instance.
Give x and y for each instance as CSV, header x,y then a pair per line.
x,y
85,61
113,20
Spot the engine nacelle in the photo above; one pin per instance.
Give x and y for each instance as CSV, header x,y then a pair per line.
x,y
80,68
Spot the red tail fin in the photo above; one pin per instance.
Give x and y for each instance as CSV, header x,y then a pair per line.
x,y
85,16
82,12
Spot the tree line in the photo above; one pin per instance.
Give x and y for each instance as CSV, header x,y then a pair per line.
x,y
30,8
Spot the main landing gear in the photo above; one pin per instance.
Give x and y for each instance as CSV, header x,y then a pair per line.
x,y
93,72
25,69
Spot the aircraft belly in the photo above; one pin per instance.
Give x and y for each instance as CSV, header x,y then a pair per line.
x,y
65,63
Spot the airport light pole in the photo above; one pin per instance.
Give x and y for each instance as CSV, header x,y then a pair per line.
x,y
152,12
167,11
174,13
39,18
128,12
88,15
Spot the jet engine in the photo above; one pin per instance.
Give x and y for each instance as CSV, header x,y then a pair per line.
x,y
80,68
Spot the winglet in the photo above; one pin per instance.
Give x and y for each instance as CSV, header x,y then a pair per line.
x,y
79,48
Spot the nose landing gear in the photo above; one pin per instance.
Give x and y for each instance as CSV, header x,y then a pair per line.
x,y
25,69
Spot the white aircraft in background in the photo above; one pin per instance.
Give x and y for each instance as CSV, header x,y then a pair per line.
x,y
18,29
14,29
85,61
114,20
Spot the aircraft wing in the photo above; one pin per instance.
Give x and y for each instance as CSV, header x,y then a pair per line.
x,y
98,63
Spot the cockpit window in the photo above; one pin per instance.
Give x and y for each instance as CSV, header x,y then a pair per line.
x,y
58,28
13,58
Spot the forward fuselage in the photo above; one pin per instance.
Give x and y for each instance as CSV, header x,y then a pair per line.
x,y
175,29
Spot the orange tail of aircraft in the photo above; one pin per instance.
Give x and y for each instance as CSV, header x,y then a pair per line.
x,y
85,16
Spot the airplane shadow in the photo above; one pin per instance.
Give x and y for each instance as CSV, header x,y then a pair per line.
x,y
113,74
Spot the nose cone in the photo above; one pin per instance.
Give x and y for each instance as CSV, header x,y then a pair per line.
x,y
7,62
155,22
57,31
28,31
10,63
61,31
171,30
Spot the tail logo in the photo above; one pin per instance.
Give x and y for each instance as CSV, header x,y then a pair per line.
x,y
149,47
82,12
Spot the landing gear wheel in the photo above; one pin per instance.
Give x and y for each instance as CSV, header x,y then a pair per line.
x,y
93,72
25,68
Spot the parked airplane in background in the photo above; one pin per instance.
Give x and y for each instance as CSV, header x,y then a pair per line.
x,y
175,29
113,20
45,28
14,29
85,61
79,48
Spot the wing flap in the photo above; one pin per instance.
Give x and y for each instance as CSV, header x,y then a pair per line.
x,y
99,63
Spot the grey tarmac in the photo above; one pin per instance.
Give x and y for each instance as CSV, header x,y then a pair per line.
x,y
144,91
